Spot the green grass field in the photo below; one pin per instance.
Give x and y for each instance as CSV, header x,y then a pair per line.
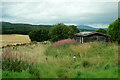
x,y
93,60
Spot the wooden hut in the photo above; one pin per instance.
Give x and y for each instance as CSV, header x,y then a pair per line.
x,y
83,37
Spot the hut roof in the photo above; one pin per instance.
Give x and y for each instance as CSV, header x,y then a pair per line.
x,y
85,34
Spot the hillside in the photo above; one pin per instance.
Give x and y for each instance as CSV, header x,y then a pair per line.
x,y
21,28
15,28
87,27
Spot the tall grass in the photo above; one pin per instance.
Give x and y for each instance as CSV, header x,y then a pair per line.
x,y
93,60
14,62
12,74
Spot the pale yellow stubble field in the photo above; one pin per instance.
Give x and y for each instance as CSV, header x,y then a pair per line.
x,y
13,39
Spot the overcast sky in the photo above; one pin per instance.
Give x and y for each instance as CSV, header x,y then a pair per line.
x,y
95,14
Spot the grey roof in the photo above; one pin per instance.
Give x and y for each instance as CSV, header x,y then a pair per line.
x,y
90,33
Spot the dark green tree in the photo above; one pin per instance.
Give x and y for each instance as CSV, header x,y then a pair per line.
x,y
75,29
39,35
114,30
102,31
61,31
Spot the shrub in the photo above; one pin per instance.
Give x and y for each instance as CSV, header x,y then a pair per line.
x,y
66,41
13,62
39,35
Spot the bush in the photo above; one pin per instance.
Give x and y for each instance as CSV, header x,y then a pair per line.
x,y
39,35
13,62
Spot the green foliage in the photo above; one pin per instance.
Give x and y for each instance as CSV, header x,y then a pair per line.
x,y
61,31
102,31
114,30
75,29
39,35
111,73
12,74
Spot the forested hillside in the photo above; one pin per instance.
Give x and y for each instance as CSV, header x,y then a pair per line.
x,y
10,28
20,28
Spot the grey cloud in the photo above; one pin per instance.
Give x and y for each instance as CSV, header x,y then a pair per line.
x,y
51,12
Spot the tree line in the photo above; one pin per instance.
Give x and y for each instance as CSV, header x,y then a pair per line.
x,y
57,32
61,31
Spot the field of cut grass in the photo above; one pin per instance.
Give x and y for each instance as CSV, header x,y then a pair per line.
x,y
13,39
93,60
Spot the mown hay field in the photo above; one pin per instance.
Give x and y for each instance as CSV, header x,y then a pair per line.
x,y
13,39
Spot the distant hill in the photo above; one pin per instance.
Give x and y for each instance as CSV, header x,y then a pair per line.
x,y
87,27
19,28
